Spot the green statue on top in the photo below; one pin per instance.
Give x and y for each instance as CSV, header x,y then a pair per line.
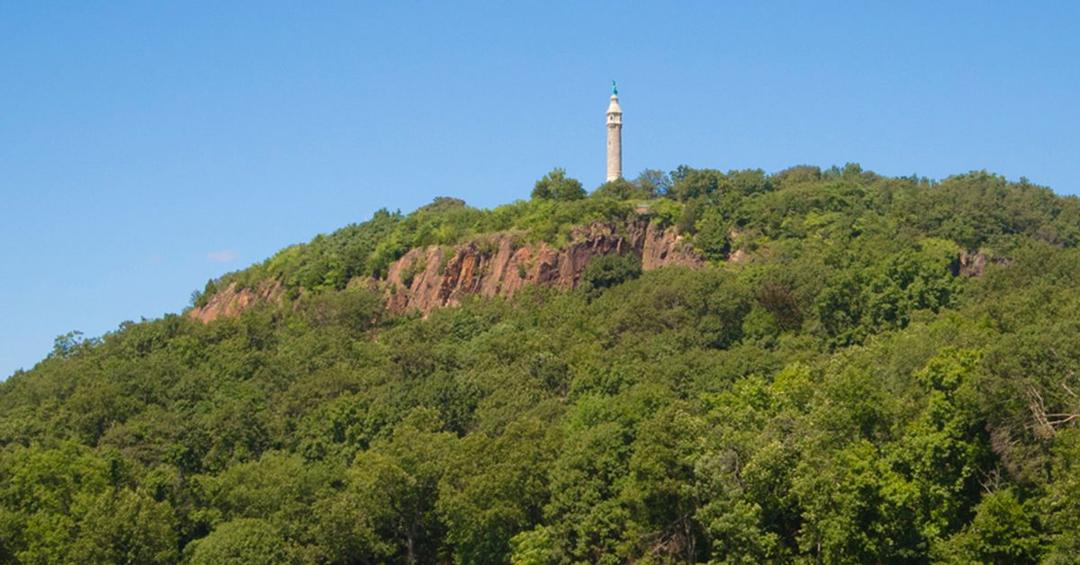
x,y
614,89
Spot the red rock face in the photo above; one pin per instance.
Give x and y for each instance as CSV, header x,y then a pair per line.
x,y
426,279
970,264
973,264
232,301
434,277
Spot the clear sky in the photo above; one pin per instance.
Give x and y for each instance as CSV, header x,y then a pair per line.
x,y
148,146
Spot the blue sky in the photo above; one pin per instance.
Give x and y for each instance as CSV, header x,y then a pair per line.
x,y
148,146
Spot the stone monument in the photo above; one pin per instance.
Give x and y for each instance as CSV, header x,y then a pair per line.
x,y
614,136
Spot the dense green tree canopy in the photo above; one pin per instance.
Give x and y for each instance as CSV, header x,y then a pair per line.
x,y
557,186
866,369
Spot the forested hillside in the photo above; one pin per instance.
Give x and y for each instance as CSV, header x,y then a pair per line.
x,y
861,369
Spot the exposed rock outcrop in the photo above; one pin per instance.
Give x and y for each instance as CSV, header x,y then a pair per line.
x,y
232,301
970,264
973,264
432,277
429,278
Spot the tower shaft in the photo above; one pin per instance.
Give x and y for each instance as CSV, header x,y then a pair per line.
x,y
614,139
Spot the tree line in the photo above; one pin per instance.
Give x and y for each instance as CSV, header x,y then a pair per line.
x,y
843,393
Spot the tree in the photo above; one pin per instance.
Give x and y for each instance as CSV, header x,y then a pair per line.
x,y
495,489
609,270
843,396
239,542
387,509
693,183
713,235
653,183
48,492
1002,531
557,186
621,189
1063,498
127,527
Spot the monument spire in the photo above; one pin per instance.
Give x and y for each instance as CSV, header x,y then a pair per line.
x,y
614,136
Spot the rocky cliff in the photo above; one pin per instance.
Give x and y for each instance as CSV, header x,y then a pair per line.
x,y
429,278
233,300
498,265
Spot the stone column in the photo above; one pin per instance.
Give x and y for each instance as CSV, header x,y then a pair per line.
x,y
614,139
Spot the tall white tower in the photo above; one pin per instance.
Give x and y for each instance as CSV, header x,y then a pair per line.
x,y
614,136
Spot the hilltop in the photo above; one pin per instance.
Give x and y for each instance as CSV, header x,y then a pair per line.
x,y
811,365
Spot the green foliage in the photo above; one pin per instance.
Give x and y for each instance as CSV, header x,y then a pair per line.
x,y
356,309
653,183
1003,531
361,251
557,186
665,213
844,392
608,271
495,488
713,234
67,504
622,189
1063,498
127,527
247,540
